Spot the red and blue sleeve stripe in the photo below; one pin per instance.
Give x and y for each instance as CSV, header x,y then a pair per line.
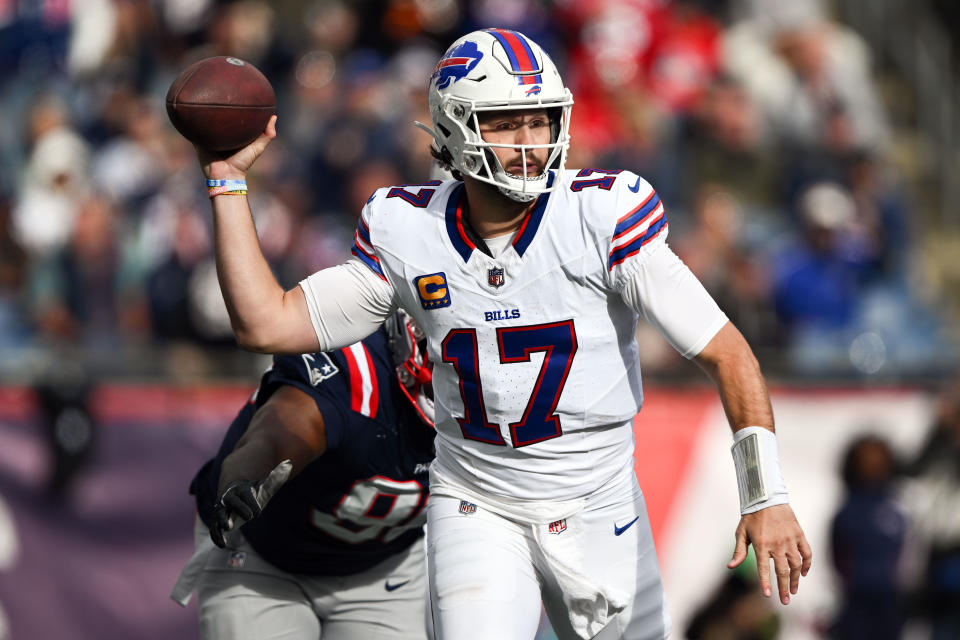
x,y
632,220
363,249
521,56
618,256
637,229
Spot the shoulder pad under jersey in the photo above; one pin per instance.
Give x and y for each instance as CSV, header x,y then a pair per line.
x,y
623,210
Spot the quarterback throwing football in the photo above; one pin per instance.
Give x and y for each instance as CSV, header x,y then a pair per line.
x,y
528,280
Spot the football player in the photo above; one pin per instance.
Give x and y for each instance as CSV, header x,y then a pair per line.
x,y
528,280
337,551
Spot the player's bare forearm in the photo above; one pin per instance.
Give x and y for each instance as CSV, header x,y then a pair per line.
x,y
264,317
730,363
773,531
288,427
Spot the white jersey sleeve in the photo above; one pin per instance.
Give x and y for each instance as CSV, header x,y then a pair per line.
x,y
346,303
640,227
649,276
671,299
350,301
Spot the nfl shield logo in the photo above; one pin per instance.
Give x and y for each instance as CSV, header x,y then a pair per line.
x,y
466,508
237,559
495,277
557,527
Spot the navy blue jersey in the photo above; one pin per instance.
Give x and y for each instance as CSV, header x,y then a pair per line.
x,y
363,500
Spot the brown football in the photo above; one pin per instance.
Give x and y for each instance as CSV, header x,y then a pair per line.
x,y
221,103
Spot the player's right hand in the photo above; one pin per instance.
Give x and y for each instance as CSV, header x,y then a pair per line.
x,y
775,534
216,166
238,501
243,500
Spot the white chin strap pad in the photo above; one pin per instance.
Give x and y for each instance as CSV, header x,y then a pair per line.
x,y
759,479
518,196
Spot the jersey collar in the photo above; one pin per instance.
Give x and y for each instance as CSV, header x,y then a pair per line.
x,y
461,241
454,216
528,230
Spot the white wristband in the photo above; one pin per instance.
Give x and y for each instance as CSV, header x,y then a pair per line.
x,y
759,479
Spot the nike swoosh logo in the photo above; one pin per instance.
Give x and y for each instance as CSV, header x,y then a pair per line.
x,y
394,587
618,530
635,188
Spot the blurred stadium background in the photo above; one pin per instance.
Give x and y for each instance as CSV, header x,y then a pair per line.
x,y
807,152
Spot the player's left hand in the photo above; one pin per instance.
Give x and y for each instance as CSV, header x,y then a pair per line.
x,y
774,533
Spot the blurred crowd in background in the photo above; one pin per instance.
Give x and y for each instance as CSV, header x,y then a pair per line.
x,y
761,123
894,546
758,122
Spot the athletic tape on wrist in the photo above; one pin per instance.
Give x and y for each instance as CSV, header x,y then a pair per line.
x,y
759,479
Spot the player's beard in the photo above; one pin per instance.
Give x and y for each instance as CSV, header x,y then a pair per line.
x,y
536,159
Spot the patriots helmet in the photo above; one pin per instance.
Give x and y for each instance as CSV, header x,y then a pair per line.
x,y
408,345
496,70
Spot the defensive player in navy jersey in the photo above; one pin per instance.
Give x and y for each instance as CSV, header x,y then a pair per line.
x,y
335,552
528,280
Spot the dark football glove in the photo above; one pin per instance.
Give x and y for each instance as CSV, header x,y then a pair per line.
x,y
244,500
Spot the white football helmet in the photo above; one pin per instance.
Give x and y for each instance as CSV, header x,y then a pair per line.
x,y
495,70
408,345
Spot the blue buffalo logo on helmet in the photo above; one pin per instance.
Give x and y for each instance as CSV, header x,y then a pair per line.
x,y
458,62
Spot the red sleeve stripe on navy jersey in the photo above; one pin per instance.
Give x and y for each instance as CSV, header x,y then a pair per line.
x,y
364,395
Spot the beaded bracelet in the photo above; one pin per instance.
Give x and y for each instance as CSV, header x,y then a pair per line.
x,y
226,187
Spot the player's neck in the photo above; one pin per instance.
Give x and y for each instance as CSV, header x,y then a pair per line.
x,y
490,212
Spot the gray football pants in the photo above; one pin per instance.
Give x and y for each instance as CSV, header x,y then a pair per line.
x,y
243,597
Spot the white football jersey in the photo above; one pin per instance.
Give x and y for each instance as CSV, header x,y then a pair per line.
x,y
536,376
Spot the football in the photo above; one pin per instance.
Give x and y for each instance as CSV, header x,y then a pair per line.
x,y
221,103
